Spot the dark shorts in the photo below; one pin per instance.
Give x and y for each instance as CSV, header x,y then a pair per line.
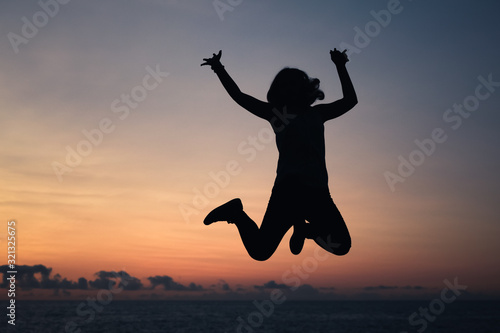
x,y
293,202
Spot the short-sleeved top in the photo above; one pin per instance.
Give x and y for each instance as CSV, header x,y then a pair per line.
x,y
301,145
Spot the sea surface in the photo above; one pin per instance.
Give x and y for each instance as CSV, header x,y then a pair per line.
x,y
248,317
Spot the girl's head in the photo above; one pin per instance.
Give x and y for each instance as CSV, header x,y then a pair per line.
x,y
293,87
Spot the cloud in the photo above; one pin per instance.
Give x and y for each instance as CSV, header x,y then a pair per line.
x,y
413,287
109,279
102,282
302,292
82,283
41,277
222,285
26,279
169,284
305,291
272,285
327,288
226,287
381,287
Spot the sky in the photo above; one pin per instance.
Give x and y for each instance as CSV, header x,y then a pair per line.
x,y
116,144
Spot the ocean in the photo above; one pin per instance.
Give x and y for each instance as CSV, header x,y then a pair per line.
x,y
249,317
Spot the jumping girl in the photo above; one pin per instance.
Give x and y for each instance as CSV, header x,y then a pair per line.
x,y
300,196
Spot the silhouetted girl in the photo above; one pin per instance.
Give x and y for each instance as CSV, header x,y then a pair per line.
x,y
300,192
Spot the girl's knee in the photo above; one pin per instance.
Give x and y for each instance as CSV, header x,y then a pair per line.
x,y
336,245
343,249
261,255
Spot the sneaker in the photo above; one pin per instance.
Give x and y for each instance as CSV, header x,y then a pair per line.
x,y
226,212
298,238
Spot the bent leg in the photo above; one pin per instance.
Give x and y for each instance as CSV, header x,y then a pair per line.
x,y
280,215
262,242
328,228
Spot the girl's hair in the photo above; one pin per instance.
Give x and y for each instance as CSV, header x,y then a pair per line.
x,y
291,86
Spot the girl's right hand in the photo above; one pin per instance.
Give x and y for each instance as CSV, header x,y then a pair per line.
x,y
339,58
214,61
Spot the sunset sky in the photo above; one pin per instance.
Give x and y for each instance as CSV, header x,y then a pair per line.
x,y
116,143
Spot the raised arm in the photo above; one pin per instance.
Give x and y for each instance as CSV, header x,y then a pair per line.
x,y
341,106
259,108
